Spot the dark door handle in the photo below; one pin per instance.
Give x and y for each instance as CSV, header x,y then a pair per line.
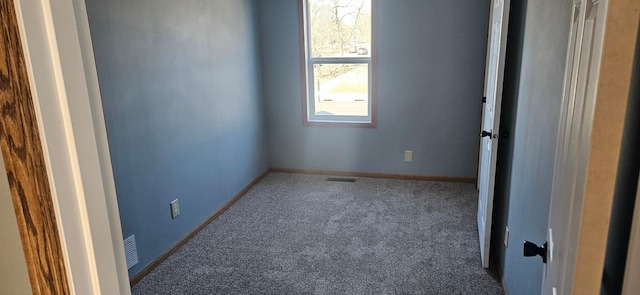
x,y
485,134
531,249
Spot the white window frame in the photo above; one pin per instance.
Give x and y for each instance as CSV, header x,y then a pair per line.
x,y
308,63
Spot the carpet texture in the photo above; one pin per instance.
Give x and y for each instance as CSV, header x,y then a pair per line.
x,y
301,234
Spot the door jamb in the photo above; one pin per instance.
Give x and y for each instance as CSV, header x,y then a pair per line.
x,y
61,68
591,209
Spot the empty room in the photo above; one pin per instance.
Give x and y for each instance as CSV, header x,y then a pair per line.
x,y
320,147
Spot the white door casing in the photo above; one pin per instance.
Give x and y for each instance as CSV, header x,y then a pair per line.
x,y
499,16
61,68
573,138
596,84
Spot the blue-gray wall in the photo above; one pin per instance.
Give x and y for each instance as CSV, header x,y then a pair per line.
x,y
539,95
185,86
181,91
430,78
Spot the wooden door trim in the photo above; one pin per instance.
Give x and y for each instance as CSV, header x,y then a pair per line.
x,y
25,164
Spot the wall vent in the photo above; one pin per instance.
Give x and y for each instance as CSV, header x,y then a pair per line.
x,y
338,179
130,251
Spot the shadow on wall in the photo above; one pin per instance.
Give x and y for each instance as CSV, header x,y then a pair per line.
x,y
513,65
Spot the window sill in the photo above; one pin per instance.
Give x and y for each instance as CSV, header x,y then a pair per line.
x,y
339,124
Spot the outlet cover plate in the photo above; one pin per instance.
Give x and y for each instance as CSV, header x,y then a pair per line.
x,y
408,156
175,208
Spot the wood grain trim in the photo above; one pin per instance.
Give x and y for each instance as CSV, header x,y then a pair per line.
x,y
156,262
377,175
25,166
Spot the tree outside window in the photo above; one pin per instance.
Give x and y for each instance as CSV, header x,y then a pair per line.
x,y
338,61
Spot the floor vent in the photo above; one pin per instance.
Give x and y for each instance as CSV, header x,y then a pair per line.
x,y
338,179
130,251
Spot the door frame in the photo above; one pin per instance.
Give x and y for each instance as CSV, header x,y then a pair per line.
x,y
484,232
581,258
59,55
26,183
64,85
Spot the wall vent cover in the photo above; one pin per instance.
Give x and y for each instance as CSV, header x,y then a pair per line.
x,y
130,251
339,179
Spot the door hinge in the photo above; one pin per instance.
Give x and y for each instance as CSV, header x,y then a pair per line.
x,y
503,134
489,134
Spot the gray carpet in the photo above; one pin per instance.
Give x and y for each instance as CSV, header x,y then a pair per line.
x,y
300,234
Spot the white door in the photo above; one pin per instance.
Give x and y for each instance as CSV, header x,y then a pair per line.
x,y
573,144
588,144
491,121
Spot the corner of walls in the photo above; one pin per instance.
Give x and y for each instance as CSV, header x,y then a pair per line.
x,y
259,6
180,86
278,22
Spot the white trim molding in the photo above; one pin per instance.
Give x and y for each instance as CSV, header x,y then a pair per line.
x,y
60,62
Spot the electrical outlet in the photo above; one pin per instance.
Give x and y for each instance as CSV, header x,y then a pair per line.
x,y
506,236
175,208
408,156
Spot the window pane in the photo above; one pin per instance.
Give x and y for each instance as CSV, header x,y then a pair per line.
x,y
341,89
340,28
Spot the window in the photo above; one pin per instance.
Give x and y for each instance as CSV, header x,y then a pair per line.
x,y
338,54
